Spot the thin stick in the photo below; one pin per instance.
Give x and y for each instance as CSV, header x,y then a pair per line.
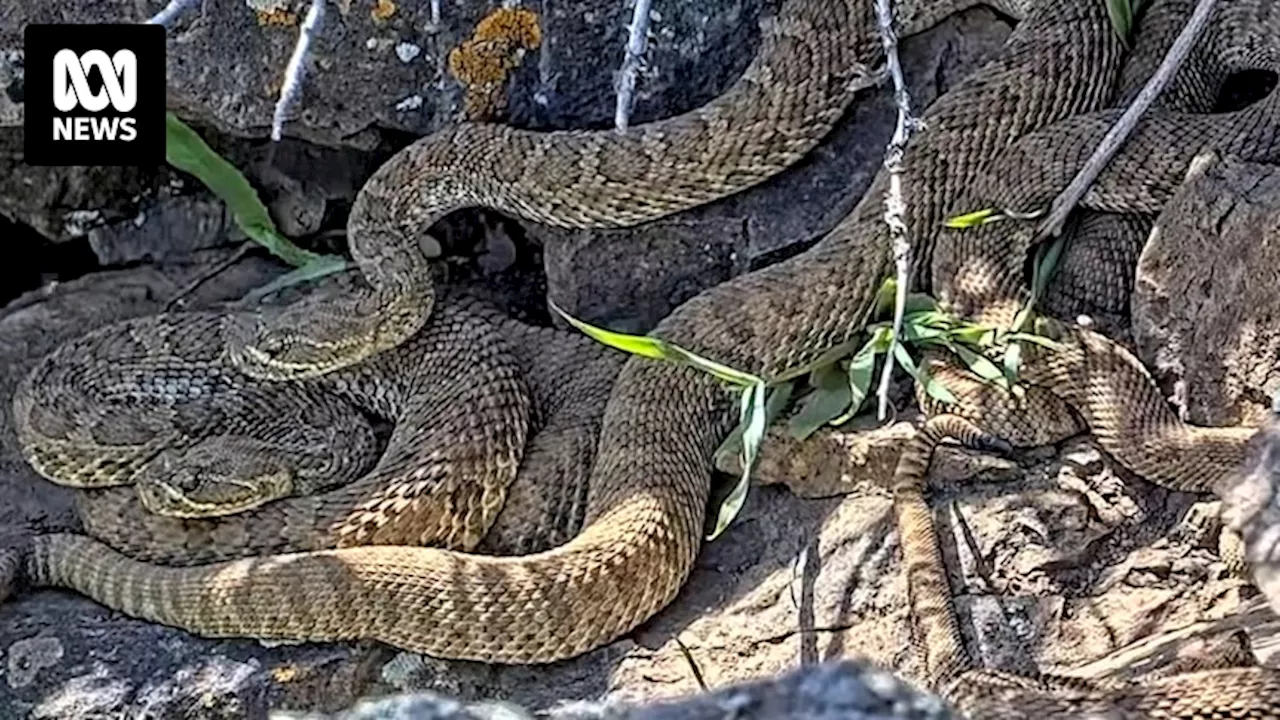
x,y
1120,132
170,11
209,274
636,42
894,205
293,72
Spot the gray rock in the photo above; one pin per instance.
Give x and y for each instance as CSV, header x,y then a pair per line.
x,y
63,203
173,227
1251,506
848,690
224,73
359,73
1206,308
76,659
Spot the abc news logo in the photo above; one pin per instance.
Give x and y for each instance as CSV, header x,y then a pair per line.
x,y
71,90
95,94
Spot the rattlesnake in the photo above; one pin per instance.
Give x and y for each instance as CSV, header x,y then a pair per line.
x,y
465,394
814,57
649,485
1087,381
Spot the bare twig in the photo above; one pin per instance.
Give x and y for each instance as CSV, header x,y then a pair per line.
x,y
209,274
693,665
636,42
170,11
1116,136
894,205
292,85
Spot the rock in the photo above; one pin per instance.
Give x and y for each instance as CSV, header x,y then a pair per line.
x,y
1206,309
848,690
363,70
630,279
173,227
63,203
1251,507
361,76
623,278
78,660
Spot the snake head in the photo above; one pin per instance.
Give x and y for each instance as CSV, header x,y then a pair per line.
x,y
216,477
319,335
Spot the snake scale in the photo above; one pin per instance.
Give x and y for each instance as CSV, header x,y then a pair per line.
x,y
648,487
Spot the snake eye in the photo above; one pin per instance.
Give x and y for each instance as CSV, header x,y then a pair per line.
x,y
272,346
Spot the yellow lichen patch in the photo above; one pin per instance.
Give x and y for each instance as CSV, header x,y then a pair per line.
x,y
285,673
483,63
516,25
382,11
277,17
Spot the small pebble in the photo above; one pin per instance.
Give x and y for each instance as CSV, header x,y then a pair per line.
x,y
407,52
413,102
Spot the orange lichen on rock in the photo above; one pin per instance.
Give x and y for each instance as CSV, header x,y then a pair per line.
x,y
382,11
483,63
277,16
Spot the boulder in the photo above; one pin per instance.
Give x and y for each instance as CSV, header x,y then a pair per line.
x,y
1206,306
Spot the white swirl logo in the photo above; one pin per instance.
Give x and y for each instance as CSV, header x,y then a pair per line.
x,y
71,80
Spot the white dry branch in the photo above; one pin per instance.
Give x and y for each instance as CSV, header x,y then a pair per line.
x,y
894,204
291,88
637,40
170,11
1120,132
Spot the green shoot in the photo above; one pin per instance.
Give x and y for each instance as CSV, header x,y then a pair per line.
x,y
187,151
973,219
752,414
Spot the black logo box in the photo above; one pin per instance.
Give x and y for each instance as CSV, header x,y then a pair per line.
x,y
42,42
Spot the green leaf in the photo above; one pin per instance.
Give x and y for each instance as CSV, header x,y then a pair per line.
x,y
979,365
881,338
752,416
658,349
1012,361
1046,263
320,267
886,297
973,219
918,333
1040,340
776,400
973,335
931,385
861,369
1121,14
187,151
931,318
828,400
641,345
